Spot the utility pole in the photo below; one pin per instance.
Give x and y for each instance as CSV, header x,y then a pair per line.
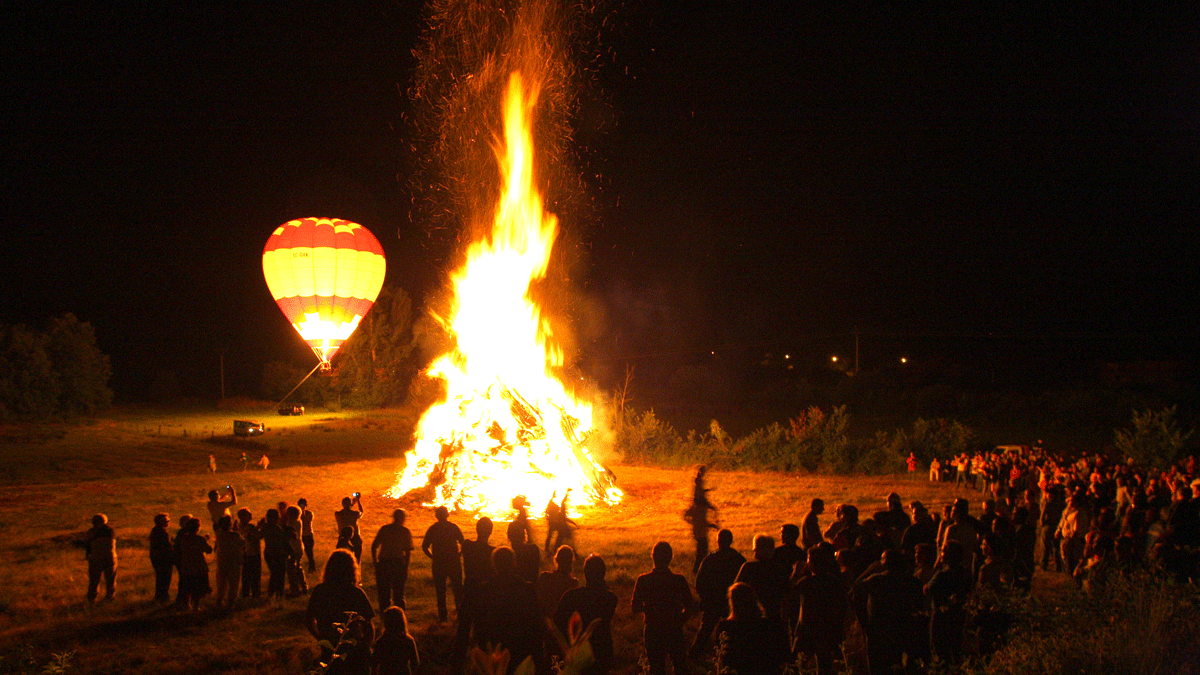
x,y
856,350
222,377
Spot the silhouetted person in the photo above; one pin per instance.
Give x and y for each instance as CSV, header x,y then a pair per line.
x,y
1024,545
560,525
193,566
529,558
477,570
788,553
297,584
810,530
230,549
345,540
948,591
218,507
1052,512
551,513
593,602
697,516
441,545
925,556
306,533
551,586
395,651
391,551
176,555
965,530
822,595
337,594
717,573
754,644
843,533
1072,529
275,554
995,573
160,558
766,578
348,517
521,506
888,604
510,616
893,521
100,543
251,554
665,599
922,531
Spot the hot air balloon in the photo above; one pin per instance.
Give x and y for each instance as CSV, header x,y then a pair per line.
x,y
324,274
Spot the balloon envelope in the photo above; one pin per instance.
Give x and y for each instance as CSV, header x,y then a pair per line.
x,y
324,273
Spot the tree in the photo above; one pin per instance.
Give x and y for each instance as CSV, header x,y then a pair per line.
x,y
376,365
81,370
59,371
1154,438
28,387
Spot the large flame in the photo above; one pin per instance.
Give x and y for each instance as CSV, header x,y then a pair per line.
x,y
508,427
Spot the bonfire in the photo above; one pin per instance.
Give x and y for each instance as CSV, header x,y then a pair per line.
x,y
508,427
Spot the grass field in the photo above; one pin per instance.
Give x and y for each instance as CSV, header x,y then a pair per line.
x,y
123,466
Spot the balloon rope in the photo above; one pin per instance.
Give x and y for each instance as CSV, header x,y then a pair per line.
x,y
298,385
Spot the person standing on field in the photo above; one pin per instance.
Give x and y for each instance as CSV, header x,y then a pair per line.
x,y
441,544
218,507
697,516
392,551
231,549
212,464
306,534
665,599
160,558
251,554
101,545
348,517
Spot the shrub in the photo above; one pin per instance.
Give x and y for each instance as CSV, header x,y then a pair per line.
x,y
1153,439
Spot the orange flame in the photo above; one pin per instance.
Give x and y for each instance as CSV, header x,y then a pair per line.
x,y
508,427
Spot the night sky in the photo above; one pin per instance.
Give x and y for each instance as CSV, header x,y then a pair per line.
x,y
762,175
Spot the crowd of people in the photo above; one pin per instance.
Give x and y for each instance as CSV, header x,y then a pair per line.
x,y
903,578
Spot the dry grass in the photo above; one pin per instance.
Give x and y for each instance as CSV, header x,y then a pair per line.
x,y
42,585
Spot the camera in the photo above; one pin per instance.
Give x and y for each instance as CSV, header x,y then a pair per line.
x,y
228,487
357,495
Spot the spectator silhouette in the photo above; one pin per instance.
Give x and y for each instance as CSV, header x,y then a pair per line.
x,y
697,516
811,528
926,562
948,591
218,507
509,616
551,586
717,573
306,533
592,602
161,558
559,524
521,505
788,553
922,531
346,540
297,585
275,553
665,599
251,554
348,517
965,530
477,570
339,592
843,533
100,543
193,566
893,521
230,549
766,578
888,604
395,651
391,550
551,513
822,595
529,558
176,555
754,644
441,545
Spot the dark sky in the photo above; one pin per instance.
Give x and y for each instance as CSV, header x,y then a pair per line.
x,y
767,171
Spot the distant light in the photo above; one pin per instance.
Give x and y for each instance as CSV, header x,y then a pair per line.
x,y
835,359
713,353
787,356
903,360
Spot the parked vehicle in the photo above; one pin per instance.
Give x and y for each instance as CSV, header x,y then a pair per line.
x,y
247,428
291,410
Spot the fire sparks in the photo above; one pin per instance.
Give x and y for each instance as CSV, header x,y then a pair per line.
x,y
508,427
